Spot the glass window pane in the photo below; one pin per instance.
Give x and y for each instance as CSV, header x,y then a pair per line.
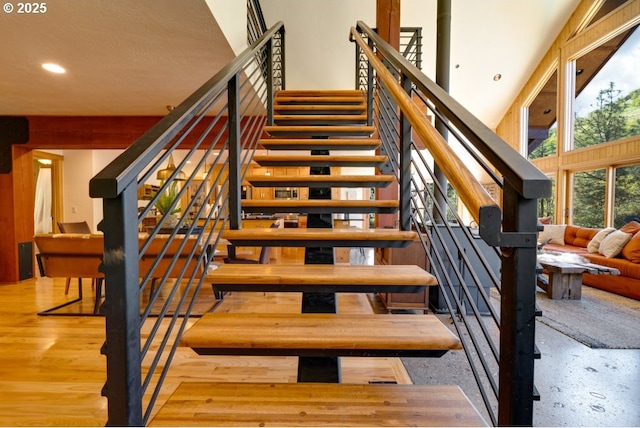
x,y
626,204
589,198
607,103
541,134
547,206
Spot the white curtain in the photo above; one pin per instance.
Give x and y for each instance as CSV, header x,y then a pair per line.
x,y
42,213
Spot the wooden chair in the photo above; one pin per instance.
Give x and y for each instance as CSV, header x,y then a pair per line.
x,y
75,227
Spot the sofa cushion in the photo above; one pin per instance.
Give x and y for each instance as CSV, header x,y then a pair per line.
x,y
626,268
553,234
631,251
613,243
579,236
594,244
632,227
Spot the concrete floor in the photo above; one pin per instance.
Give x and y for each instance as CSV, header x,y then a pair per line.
x,y
579,386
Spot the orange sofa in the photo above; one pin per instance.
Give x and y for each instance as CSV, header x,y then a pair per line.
x,y
576,240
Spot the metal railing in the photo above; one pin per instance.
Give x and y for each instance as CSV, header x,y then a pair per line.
x,y
487,271
154,274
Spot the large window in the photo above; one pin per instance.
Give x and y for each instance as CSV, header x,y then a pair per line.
x,y
626,205
589,189
542,130
607,103
547,206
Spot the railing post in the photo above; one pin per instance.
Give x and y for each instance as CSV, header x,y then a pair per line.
x,y
370,88
517,329
270,91
405,165
233,93
282,60
122,309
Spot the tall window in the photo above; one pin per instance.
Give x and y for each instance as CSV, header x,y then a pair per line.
x,y
626,205
542,130
607,103
547,206
589,189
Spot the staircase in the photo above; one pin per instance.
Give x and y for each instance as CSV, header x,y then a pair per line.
x,y
321,122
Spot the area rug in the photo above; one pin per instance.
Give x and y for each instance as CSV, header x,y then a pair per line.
x,y
599,320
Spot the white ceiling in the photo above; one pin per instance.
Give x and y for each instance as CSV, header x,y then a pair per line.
x,y
134,57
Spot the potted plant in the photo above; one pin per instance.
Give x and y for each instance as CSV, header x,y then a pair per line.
x,y
163,205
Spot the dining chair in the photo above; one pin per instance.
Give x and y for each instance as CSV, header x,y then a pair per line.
x,y
74,227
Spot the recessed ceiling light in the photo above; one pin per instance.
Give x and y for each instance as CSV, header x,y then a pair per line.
x,y
45,161
497,77
579,71
547,111
54,68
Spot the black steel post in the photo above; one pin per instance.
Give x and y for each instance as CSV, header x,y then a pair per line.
x,y
404,222
233,93
270,93
370,88
443,54
517,326
122,309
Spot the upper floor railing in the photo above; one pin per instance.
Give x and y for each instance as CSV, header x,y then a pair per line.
x,y
441,195
154,270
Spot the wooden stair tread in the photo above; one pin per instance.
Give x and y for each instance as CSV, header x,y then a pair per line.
x,y
320,130
316,404
312,109
323,99
271,206
319,92
321,278
321,117
319,160
320,180
319,334
296,237
314,144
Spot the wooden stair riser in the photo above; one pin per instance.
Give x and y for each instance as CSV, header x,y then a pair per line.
x,y
319,207
320,120
330,100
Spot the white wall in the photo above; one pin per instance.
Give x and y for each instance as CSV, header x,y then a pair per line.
x,y
77,171
231,16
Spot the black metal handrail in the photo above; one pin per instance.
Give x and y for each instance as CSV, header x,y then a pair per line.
x,y
154,280
503,343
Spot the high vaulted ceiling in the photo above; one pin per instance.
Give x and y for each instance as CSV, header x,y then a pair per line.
x,y
135,57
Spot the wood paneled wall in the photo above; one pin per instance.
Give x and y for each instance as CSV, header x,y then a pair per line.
x,y
573,40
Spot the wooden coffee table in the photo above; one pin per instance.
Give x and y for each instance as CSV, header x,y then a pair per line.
x,y
565,278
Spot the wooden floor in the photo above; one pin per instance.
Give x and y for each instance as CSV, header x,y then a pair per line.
x,y
51,369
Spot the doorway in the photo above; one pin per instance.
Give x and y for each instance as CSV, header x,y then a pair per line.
x,y
47,170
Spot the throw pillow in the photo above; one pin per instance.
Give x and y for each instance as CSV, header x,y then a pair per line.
x,y
545,220
552,234
632,227
594,244
613,243
631,251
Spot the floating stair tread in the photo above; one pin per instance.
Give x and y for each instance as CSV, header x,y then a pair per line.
x,y
321,117
321,99
319,334
320,180
270,206
316,404
321,278
314,144
313,109
320,131
296,237
320,92
319,160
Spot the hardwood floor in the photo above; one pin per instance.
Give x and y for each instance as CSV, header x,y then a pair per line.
x,y
52,372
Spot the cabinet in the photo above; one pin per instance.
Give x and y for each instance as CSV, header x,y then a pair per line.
x,y
413,254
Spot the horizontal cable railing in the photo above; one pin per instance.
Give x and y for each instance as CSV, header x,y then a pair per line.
x,y
482,252
163,221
